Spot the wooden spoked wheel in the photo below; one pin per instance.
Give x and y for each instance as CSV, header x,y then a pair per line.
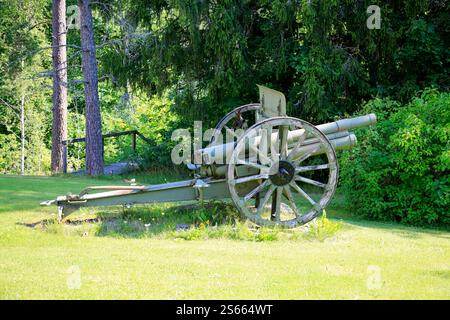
x,y
229,125
282,172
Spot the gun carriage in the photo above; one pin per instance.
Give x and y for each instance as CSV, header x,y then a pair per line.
x,y
278,171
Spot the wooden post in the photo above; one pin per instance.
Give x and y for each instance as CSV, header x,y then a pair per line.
x,y
133,143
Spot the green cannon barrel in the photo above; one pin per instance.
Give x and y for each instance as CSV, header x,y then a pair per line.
x,y
339,143
348,124
337,130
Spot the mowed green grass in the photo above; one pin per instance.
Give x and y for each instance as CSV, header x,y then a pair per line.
x,y
365,260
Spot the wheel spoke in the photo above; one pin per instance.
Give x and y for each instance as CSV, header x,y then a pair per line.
x,y
263,202
283,143
249,178
252,164
295,150
290,197
311,168
258,189
303,193
276,204
310,181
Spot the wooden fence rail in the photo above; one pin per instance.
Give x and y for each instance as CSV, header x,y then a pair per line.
x,y
133,133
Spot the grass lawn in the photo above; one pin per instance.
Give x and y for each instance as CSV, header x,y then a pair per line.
x,y
364,260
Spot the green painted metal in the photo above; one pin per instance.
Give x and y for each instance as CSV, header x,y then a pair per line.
x,y
249,179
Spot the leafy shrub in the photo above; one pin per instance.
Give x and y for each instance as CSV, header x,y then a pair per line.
x,y
154,118
322,228
213,226
400,168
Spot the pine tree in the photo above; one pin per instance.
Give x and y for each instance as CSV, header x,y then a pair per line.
x,y
94,140
59,45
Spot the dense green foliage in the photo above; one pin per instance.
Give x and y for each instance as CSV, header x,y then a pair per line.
x,y
400,170
22,34
210,54
164,64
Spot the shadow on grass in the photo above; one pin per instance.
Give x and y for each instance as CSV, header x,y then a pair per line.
x,y
338,210
218,219
444,274
188,221
146,220
394,227
44,222
214,220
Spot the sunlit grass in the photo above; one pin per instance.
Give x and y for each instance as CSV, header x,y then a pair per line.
x,y
138,253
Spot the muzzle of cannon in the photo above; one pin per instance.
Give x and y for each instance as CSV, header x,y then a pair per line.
x,y
280,171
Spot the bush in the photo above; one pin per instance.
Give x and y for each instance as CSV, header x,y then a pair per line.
x,y
323,228
400,168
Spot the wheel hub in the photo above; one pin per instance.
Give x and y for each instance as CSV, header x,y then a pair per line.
x,y
282,173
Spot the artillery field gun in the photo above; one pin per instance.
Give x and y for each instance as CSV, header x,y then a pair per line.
x,y
279,171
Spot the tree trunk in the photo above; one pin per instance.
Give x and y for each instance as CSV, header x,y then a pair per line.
x,y
94,140
22,135
59,42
